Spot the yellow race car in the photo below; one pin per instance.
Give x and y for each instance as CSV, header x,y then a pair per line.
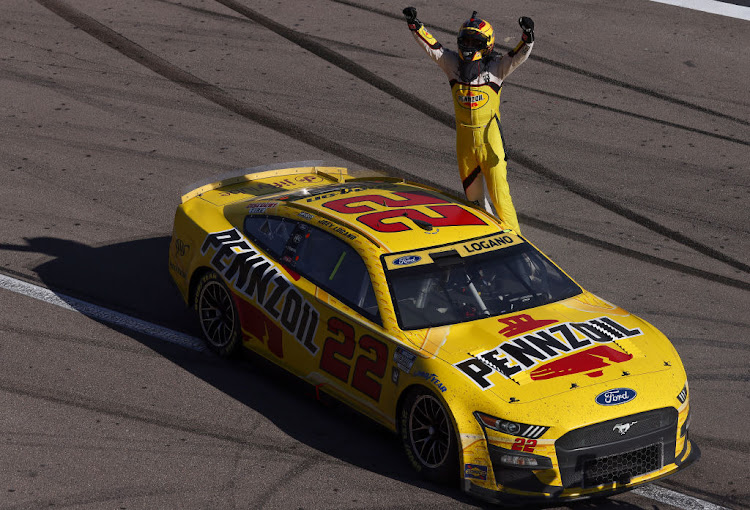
x,y
434,319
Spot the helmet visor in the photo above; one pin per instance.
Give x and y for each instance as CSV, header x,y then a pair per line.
x,y
472,41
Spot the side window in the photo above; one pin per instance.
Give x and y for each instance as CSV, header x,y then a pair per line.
x,y
335,266
269,232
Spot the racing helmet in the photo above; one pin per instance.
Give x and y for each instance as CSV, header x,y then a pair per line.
x,y
475,39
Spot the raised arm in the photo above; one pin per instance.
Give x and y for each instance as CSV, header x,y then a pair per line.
x,y
520,53
427,41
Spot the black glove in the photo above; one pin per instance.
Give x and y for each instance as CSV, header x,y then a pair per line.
x,y
527,25
410,13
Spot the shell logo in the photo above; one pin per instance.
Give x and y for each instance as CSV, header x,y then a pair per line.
x,y
471,99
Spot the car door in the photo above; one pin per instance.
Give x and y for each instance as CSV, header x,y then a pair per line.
x,y
325,324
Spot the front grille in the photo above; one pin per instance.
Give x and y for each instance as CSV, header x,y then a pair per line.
x,y
622,467
605,432
616,450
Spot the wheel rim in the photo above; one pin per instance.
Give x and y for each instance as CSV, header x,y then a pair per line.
x,y
429,431
216,313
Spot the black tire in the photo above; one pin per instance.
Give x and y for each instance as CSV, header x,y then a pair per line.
x,y
217,316
428,436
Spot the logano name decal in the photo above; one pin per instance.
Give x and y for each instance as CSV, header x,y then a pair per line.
x,y
259,279
552,343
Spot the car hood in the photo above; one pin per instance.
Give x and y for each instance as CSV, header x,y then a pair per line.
x,y
576,343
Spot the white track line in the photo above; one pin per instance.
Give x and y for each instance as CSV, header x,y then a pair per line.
x,y
675,499
100,313
712,6
654,492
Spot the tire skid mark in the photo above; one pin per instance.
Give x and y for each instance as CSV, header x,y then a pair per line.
x,y
265,497
720,377
715,343
644,257
206,90
632,114
566,67
45,335
447,119
218,96
109,495
151,417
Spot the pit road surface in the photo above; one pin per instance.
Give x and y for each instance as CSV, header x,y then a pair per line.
x,y
628,139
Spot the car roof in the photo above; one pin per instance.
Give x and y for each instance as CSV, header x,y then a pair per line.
x,y
394,214
401,216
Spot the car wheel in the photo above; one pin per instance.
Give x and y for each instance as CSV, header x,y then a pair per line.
x,y
428,436
217,315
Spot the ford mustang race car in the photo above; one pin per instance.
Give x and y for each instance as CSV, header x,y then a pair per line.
x,y
431,317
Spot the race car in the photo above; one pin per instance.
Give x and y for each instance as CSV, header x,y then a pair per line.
x,y
436,320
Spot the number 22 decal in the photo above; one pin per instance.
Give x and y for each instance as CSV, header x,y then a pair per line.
x,y
364,365
524,445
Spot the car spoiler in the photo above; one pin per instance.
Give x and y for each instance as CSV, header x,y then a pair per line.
x,y
334,174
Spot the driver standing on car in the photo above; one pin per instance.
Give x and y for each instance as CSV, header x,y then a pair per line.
x,y
476,76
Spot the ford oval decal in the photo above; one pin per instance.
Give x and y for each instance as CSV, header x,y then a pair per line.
x,y
406,260
615,397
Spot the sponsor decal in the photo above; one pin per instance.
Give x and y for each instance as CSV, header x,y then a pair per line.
x,y
177,269
406,260
308,179
317,195
433,379
623,428
181,248
475,471
591,362
260,207
305,215
522,323
469,98
404,359
257,278
528,351
615,397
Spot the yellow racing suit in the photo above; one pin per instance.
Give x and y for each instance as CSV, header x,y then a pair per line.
x,y
475,87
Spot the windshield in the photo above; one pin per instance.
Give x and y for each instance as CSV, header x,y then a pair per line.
x,y
453,289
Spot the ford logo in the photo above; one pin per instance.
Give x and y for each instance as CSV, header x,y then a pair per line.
x,y
615,397
406,260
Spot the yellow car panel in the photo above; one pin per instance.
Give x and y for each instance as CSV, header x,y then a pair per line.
x,y
350,283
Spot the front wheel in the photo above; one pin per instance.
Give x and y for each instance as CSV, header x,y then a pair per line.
x,y
428,437
217,315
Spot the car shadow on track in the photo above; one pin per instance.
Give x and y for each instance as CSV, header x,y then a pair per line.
x,y
131,277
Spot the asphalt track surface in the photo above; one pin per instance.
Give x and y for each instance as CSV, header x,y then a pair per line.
x,y
628,134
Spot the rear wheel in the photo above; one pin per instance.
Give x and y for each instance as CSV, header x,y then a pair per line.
x,y
428,436
217,315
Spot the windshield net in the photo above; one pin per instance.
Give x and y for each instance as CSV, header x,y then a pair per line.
x,y
455,289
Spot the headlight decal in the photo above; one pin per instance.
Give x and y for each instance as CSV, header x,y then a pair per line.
x,y
682,397
534,431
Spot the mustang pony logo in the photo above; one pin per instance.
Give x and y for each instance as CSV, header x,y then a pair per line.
x,y
623,428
